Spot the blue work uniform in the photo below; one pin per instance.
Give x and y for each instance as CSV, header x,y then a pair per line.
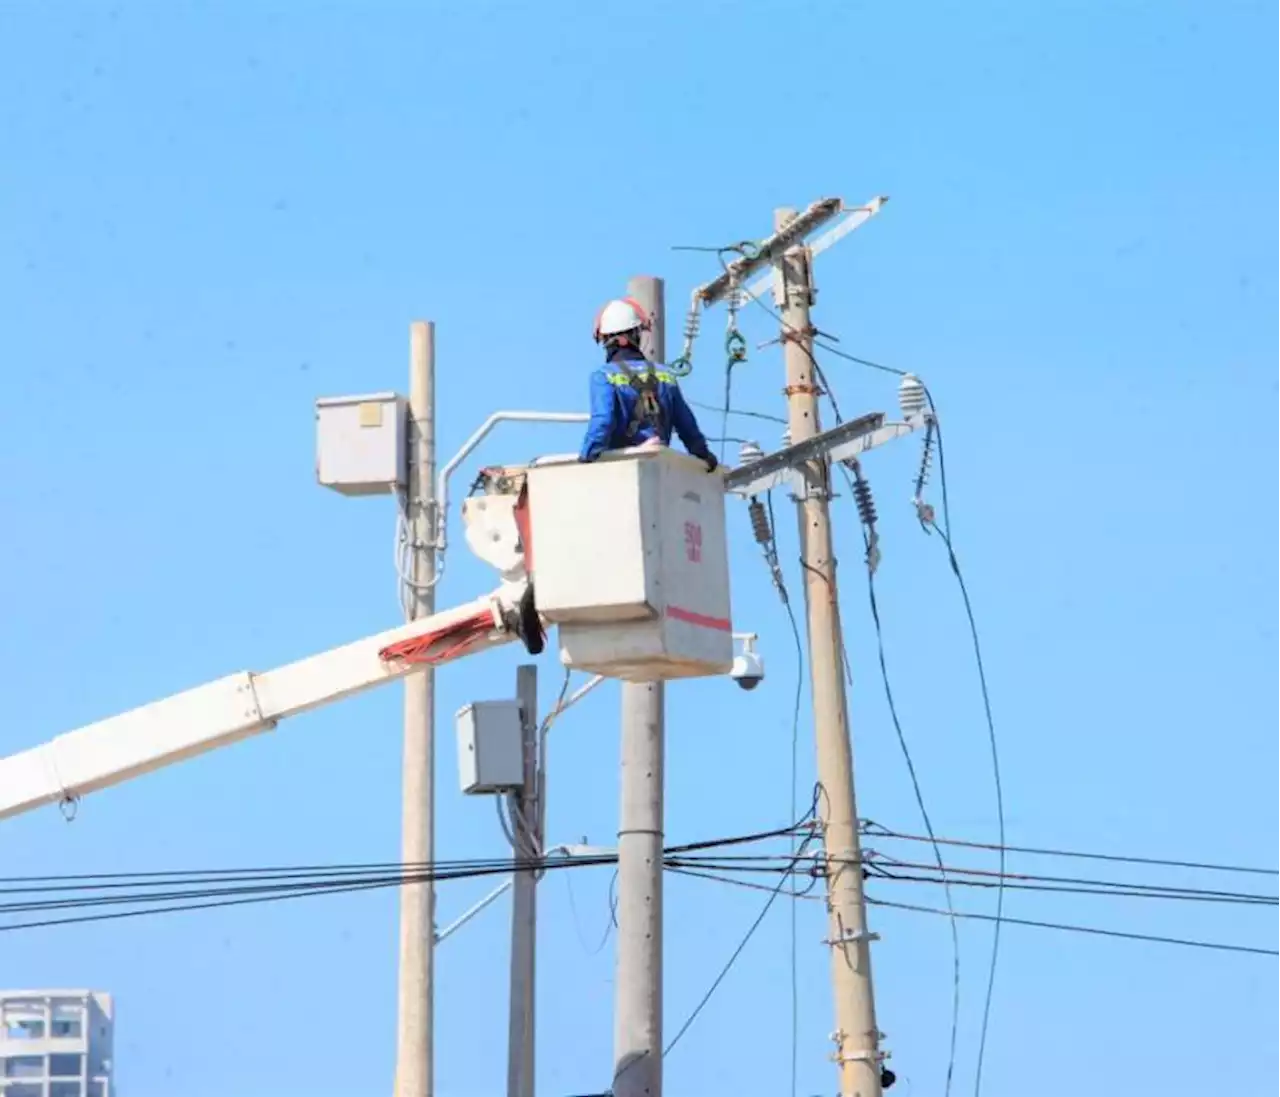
x,y
622,417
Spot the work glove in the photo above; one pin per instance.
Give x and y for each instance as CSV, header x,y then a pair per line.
x,y
710,461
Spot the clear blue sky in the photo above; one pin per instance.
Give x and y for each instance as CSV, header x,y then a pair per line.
x,y
213,214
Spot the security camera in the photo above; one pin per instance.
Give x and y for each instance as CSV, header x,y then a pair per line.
x,y
748,666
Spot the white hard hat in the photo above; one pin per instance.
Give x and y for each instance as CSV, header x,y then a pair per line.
x,y
623,314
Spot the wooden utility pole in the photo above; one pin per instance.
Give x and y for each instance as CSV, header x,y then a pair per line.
x,y
637,1030
857,1038
417,901
524,909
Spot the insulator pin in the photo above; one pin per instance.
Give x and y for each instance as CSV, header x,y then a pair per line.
x,y
912,397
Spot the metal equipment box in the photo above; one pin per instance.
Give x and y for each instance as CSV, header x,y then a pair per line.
x,y
490,747
361,443
629,559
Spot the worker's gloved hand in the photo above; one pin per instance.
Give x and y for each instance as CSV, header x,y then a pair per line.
x,y
710,461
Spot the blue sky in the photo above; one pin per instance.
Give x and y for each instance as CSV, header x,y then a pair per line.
x,y
213,214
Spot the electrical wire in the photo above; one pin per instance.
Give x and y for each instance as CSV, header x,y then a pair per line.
x,y
1104,888
945,533
267,889
1094,930
868,534
928,826
724,971
873,828
577,921
726,409
795,786
779,581
809,816
879,866
407,584
738,411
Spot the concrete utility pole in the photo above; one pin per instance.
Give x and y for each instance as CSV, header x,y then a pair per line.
x,y
857,1038
417,901
637,1026
524,909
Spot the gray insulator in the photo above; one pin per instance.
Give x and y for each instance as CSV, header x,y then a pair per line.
x,y
760,522
749,452
912,397
866,505
926,460
692,321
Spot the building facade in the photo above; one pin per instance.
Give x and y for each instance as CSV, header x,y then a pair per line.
x,y
56,1043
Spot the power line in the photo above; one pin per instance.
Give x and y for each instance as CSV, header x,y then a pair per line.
x,y
875,829
780,583
738,411
703,873
109,880
264,888
1074,889
945,533
995,750
1157,889
1094,930
928,826
724,971
868,534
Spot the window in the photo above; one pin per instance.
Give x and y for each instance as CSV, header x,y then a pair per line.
x,y
66,1066
24,1028
23,1066
68,1020
25,1089
64,1089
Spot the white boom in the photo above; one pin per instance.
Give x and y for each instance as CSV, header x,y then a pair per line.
x,y
237,706
222,712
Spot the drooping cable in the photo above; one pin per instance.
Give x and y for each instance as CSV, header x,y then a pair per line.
x,y
733,958
795,791
765,529
738,411
944,532
928,826
824,342
860,490
803,823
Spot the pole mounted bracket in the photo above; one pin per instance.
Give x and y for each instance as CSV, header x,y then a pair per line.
x,y
852,937
844,443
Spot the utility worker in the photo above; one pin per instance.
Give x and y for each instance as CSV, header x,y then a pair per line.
x,y
635,402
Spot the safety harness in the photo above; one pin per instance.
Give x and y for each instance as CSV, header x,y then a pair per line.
x,y
647,410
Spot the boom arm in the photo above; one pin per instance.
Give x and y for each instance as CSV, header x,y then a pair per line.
x,y
243,704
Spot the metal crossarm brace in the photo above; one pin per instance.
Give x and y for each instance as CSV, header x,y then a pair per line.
x,y
779,468
842,443
771,248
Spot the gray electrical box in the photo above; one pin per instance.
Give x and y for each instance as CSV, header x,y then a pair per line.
x,y
362,443
490,747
